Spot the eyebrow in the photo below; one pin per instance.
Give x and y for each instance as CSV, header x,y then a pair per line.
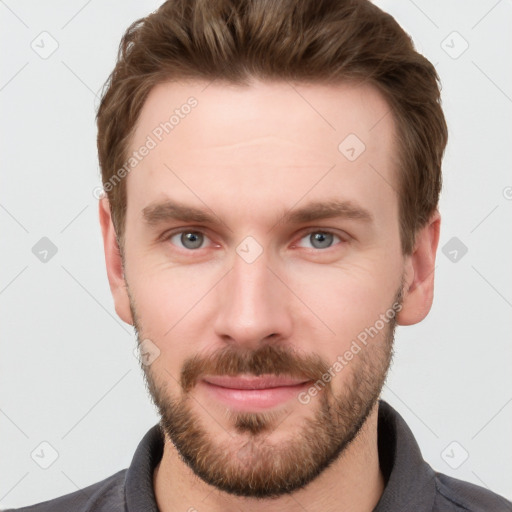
x,y
326,210
168,210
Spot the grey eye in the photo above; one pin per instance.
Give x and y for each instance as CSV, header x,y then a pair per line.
x,y
320,240
189,239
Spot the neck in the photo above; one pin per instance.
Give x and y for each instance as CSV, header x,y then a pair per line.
x,y
353,483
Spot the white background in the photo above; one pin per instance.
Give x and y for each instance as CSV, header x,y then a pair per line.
x,y
68,375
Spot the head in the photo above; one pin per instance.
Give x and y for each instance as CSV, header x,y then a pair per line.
x,y
272,172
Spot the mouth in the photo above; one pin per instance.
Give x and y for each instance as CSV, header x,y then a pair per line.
x,y
253,393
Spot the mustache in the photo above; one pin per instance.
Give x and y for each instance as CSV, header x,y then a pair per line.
x,y
267,359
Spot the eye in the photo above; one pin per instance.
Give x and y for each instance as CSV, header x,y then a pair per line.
x,y
319,239
188,239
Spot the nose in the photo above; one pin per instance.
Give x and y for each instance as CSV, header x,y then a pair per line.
x,y
253,304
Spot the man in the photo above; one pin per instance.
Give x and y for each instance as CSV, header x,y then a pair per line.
x,y
272,173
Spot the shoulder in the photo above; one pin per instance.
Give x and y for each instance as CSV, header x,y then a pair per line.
x,y
103,496
457,495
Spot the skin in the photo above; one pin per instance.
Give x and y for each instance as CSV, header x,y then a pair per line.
x,y
249,155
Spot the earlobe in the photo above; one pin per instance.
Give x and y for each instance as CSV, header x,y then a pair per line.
x,y
114,263
419,274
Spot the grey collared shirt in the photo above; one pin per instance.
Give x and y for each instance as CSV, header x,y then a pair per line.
x,y
411,484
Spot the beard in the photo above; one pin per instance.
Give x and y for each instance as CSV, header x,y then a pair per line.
x,y
248,464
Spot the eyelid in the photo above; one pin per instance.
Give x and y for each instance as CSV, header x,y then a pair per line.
x,y
167,235
343,236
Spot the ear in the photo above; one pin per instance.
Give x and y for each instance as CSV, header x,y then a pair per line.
x,y
419,274
114,263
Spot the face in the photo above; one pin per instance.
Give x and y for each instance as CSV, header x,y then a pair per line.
x,y
263,268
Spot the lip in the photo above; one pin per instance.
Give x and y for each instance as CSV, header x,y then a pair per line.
x,y
252,393
253,382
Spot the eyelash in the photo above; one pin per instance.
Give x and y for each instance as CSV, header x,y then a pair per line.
x,y
166,237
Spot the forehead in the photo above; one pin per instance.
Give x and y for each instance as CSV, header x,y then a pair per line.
x,y
269,142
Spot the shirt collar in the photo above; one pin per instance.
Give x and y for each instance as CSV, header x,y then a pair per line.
x,y
409,479
410,483
138,487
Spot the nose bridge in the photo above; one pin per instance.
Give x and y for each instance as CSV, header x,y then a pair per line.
x,y
251,283
252,305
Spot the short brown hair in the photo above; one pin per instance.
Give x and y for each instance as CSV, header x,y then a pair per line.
x,y
310,41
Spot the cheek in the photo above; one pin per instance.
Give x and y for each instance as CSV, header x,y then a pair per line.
x,y
173,307
343,300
